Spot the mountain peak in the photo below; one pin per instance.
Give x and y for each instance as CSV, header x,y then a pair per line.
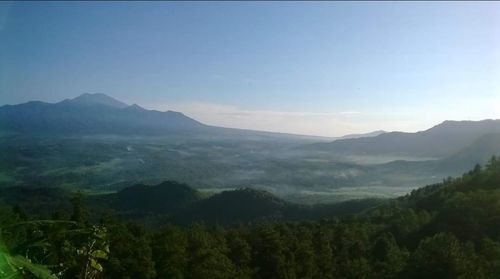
x,y
97,99
135,107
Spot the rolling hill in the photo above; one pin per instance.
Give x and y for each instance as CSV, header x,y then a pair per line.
x,y
163,198
179,203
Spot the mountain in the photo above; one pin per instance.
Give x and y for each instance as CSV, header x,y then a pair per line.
x,y
479,152
91,114
442,140
98,113
88,99
365,135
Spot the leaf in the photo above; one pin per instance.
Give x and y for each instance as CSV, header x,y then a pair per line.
x,y
99,254
7,269
37,270
95,265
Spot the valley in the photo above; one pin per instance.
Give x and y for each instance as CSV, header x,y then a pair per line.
x,y
298,168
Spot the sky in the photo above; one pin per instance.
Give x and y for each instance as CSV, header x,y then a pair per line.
x,y
316,68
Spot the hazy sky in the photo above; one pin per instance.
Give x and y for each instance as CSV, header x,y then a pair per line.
x,y
324,68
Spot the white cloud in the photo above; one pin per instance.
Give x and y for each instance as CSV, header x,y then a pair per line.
x,y
298,122
408,118
350,112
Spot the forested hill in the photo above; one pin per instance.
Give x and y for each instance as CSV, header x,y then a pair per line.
x,y
180,204
446,230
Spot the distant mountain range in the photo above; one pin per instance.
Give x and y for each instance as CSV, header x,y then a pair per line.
x,y
230,156
439,141
100,114
365,135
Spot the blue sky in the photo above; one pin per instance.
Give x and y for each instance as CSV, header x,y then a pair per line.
x,y
323,68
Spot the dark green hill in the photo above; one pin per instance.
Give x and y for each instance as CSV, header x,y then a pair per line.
x,y
467,207
42,202
163,198
241,205
171,201
248,205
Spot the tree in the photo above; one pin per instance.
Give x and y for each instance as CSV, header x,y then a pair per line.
x,y
269,254
208,255
323,252
80,213
240,253
388,259
170,253
130,253
443,256
305,264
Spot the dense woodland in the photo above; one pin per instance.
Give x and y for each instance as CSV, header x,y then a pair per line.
x,y
446,230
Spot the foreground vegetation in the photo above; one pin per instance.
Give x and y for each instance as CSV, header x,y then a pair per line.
x,y
446,230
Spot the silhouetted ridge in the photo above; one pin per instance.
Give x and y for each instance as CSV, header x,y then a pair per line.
x,y
162,198
92,114
241,205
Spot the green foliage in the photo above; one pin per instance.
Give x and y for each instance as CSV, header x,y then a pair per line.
x,y
17,266
443,256
207,255
389,259
130,253
20,267
170,252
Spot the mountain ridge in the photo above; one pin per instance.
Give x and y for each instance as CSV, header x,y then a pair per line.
x,y
363,135
441,140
